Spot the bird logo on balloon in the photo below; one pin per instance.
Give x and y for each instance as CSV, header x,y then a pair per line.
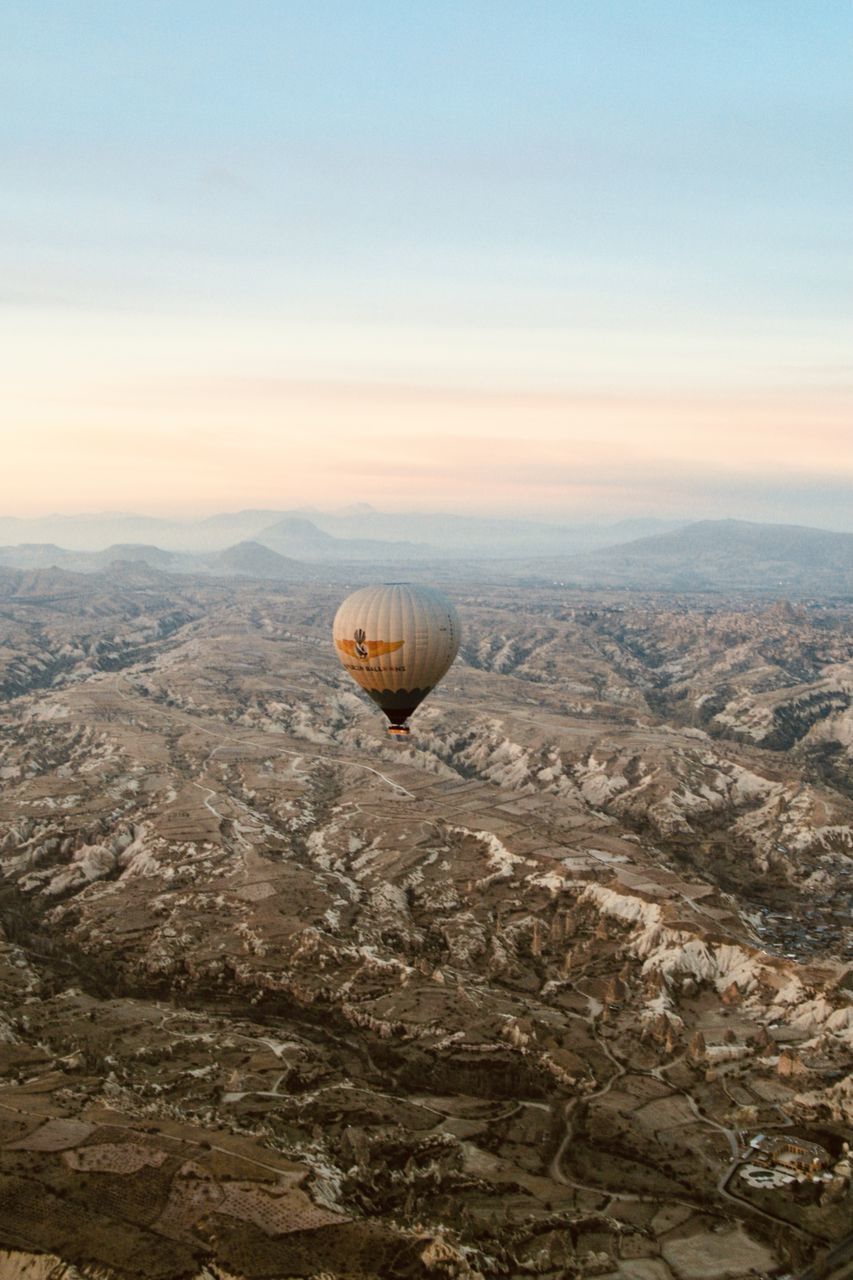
x,y
363,649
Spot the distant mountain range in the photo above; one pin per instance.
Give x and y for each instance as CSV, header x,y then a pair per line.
x,y
359,533
297,536
244,559
723,555
708,555
453,536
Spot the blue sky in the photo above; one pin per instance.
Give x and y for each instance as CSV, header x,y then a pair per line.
x,y
219,217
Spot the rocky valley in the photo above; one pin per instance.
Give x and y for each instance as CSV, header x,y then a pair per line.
x,y
559,987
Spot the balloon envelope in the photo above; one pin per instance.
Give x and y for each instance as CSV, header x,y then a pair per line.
x,y
397,641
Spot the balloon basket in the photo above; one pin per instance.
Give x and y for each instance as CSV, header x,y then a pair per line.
x,y
399,730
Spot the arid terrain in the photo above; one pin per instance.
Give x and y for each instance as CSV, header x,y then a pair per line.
x,y
282,997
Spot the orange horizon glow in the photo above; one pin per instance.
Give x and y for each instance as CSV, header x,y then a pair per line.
x,y
195,446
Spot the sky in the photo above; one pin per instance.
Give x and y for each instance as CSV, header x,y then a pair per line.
x,y
554,258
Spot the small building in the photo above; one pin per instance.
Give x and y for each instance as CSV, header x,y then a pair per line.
x,y
790,1153
726,1052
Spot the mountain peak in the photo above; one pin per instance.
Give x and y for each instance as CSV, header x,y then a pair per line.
x,y
357,509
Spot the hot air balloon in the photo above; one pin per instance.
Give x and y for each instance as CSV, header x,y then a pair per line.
x,y
397,641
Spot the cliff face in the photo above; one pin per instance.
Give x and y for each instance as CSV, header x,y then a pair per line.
x,y
492,1002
